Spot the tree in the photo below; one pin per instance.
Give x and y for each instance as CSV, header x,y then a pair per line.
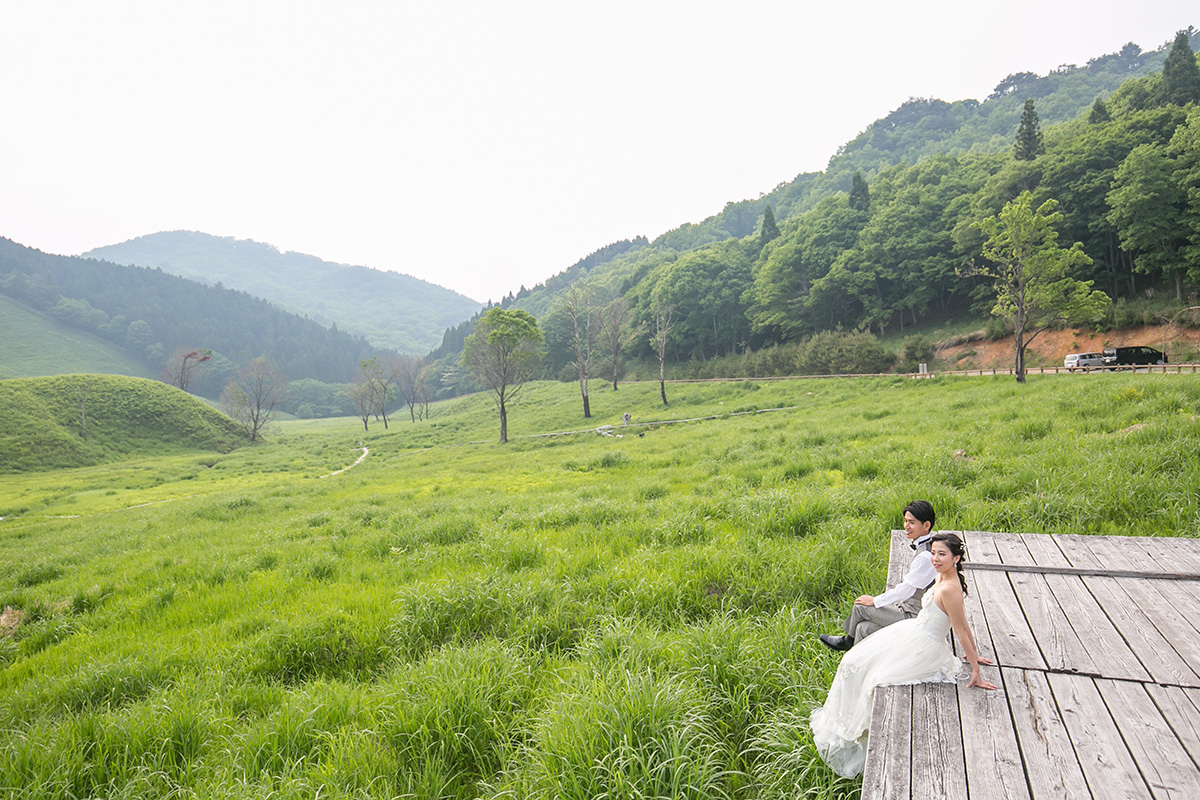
x,y
617,333
1147,209
1185,147
1099,113
362,397
1031,272
860,194
1029,135
404,372
1180,73
379,384
770,229
184,364
254,394
661,315
504,352
584,324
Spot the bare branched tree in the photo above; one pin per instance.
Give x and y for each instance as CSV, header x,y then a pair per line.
x,y
618,333
184,364
585,325
254,394
661,314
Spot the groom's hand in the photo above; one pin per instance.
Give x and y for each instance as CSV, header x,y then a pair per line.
x,y
865,600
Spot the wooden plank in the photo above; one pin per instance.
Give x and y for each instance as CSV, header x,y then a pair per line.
x,y
887,773
1160,757
1181,709
1184,551
981,547
1106,648
1175,614
1108,573
1150,647
976,619
993,758
1106,762
900,556
1013,641
1173,555
1053,634
938,768
1050,762
1122,552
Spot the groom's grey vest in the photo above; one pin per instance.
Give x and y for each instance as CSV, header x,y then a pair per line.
x,y
912,606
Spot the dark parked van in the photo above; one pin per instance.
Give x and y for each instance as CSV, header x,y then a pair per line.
x,y
1119,356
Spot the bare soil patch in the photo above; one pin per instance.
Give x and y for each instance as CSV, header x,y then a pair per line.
x,y
1050,347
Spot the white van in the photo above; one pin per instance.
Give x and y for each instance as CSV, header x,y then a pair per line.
x,y
1080,360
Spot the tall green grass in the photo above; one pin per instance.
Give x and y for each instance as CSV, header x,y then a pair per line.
x,y
565,616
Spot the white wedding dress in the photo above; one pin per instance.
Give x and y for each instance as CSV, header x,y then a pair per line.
x,y
906,652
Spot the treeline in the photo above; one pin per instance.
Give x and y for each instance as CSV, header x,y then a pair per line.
x,y
892,249
152,314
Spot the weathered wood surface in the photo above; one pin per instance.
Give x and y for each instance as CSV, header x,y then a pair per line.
x,y
1097,652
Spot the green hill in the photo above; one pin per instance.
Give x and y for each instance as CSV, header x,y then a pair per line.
x,y
37,344
389,309
80,420
150,314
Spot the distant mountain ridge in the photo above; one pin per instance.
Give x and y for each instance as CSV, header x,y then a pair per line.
x,y
389,309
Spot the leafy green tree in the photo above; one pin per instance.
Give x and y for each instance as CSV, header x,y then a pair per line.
x,y
779,298
1147,211
770,229
1185,147
502,354
1029,143
1099,113
860,194
1180,73
1031,272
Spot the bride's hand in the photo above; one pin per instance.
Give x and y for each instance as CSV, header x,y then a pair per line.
x,y
977,680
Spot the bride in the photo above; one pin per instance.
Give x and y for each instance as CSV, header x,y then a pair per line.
x,y
907,652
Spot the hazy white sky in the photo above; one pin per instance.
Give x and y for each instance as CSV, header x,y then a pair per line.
x,y
476,145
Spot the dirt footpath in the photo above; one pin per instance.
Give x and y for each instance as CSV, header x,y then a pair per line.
x,y
1050,347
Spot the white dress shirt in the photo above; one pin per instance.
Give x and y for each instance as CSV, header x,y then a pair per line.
x,y
920,575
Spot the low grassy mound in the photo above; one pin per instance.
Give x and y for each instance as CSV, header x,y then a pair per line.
x,y
67,421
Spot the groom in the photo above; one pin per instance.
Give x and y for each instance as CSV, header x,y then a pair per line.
x,y
904,599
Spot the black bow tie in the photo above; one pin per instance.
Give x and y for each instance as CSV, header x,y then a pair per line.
x,y
912,545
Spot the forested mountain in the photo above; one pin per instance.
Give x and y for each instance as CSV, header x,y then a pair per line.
x,y
880,239
390,310
152,313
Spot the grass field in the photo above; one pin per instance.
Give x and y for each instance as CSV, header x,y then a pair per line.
x,y
626,615
32,341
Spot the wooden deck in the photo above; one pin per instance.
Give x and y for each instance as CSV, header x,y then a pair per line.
x,y
1096,641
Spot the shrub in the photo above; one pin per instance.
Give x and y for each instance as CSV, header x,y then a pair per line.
x,y
839,352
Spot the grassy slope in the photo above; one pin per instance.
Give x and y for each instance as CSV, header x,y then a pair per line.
x,y
35,344
44,420
549,618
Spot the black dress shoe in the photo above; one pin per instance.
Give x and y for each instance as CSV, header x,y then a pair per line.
x,y
838,643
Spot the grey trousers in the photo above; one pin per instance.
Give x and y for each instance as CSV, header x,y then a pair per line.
x,y
865,620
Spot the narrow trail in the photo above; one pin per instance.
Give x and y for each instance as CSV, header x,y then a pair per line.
x,y
365,451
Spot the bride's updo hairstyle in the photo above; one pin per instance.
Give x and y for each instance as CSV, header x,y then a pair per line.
x,y
957,548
